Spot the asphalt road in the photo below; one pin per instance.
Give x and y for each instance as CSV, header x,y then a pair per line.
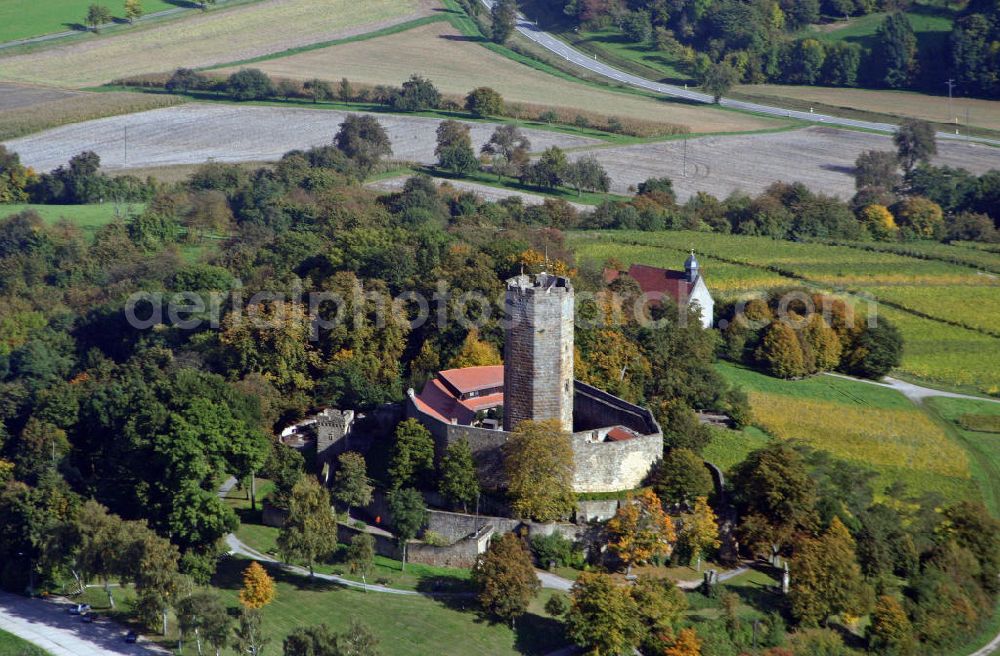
x,y
48,625
567,52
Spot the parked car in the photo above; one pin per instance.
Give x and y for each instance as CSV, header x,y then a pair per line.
x,y
131,637
79,609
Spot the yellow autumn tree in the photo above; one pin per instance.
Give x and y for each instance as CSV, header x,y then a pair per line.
x,y
535,262
687,644
258,587
539,468
640,530
879,221
701,531
475,352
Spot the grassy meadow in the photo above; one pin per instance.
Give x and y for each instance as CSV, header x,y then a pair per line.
x,y
86,217
864,423
22,20
731,447
948,312
11,645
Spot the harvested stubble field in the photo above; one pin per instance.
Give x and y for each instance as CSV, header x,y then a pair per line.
x,y
200,40
934,351
196,132
457,64
25,109
866,424
483,191
821,158
982,113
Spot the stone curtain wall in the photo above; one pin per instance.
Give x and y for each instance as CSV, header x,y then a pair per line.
x,y
614,466
538,351
595,408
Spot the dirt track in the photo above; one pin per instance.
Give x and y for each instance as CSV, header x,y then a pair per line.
x,y
821,158
195,133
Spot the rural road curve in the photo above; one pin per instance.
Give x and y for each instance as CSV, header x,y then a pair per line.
x,y
555,45
915,393
48,625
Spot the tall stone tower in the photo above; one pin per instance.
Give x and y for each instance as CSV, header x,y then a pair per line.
x,y
538,351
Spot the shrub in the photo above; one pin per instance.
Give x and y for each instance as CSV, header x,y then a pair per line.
x,y
556,548
249,84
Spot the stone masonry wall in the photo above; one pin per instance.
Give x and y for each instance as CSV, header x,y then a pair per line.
x,y
538,351
614,466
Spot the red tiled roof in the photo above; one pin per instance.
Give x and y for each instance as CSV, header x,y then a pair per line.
x,y
474,379
439,401
620,434
656,282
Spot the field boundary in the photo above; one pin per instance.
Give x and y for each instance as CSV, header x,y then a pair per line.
x,y
385,31
875,247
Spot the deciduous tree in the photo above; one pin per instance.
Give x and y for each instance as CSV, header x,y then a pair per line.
x,y
682,476
133,10
361,555
97,15
504,19
249,636
258,587
310,530
915,142
484,101
409,514
826,577
701,531
351,485
603,618
640,530
505,578
412,460
687,644
538,462
459,481
890,632
364,140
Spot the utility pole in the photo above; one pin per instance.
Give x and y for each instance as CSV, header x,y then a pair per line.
x,y
951,114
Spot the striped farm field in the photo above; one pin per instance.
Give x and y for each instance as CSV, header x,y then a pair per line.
x,y
218,36
457,64
947,312
866,424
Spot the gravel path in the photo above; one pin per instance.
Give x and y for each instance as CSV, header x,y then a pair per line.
x,y
914,392
48,625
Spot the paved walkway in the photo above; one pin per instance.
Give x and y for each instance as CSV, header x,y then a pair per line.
x,y
555,45
914,392
48,625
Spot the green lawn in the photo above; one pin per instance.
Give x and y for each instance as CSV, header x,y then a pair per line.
x,y
731,447
405,625
931,26
87,217
21,20
11,645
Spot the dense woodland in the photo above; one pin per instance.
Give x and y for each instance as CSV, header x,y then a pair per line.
x,y
767,41
114,440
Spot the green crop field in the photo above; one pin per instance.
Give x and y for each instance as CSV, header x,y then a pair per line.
x,y
11,645
864,423
925,294
22,20
87,217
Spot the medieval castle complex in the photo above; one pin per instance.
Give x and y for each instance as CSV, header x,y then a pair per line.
x,y
615,443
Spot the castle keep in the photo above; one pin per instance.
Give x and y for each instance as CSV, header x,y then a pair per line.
x,y
538,351
615,443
